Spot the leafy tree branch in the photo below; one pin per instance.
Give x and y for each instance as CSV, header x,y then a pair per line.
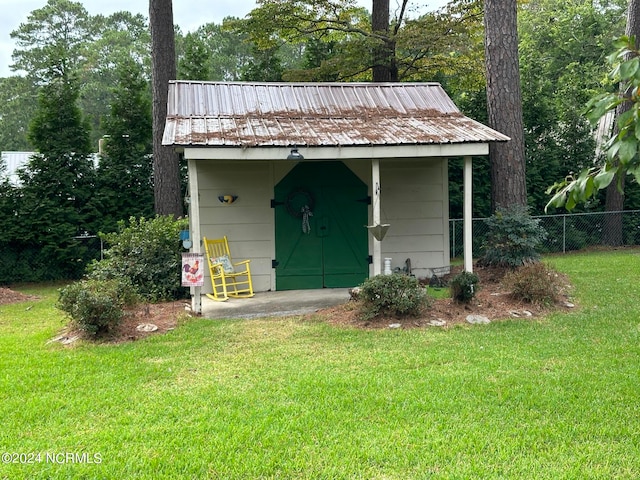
x,y
621,148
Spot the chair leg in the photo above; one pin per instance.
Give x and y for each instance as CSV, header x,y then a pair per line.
x,y
241,289
217,295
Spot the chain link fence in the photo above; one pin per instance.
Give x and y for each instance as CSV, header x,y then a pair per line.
x,y
565,233
30,262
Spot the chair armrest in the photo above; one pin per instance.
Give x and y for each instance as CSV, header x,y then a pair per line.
x,y
243,262
218,265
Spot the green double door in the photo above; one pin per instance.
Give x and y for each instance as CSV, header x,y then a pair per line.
x,y
320,218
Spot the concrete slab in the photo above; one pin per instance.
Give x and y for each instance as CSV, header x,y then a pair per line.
x,y
275,304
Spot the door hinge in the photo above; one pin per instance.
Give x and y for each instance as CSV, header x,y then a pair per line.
x,y
274,263
275,203
366,200
370,259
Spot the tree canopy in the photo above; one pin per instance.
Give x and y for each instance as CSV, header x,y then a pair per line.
x,y
563,46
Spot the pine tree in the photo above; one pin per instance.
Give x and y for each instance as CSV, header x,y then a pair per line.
x,y
166,163
58,184
125,175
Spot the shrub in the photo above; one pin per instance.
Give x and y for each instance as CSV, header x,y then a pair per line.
x,y
464,286
96,306
513,238
147,252
535,283
393,295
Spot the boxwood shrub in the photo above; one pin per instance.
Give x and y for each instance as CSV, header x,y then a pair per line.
x,y
395,295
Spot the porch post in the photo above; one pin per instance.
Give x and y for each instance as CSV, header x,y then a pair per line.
x,y
468,216
194,228
375,203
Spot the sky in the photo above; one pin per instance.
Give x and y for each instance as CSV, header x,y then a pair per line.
x,y
188,14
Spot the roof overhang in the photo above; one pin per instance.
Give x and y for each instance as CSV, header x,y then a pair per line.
x,y
338,153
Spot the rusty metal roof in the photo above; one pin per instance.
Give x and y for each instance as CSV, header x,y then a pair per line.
x,y
240,114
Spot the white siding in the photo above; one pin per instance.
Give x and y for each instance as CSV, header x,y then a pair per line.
x,y
415,202
248,223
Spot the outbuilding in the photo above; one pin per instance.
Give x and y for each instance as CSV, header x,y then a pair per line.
x,y
320,184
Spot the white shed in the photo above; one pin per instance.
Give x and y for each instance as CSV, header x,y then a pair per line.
x,y
311,165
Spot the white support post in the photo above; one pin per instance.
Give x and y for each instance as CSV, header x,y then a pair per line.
x,y
375,204
468,215
194,229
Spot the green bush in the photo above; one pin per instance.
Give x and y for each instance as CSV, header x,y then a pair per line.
x,y
513,239
393,295
96,306
148,253
535,283
464,286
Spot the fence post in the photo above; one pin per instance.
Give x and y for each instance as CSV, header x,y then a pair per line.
x,y
453,236
564,234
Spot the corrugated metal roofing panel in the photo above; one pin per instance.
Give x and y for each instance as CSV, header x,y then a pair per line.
x,y
316,114
323,132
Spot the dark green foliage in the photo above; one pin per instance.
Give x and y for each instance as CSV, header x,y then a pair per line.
x,y
217,52
267,66
96,306
193,64
53,205
513,238
126,165
18,97
146,252
536,283
319,62
464,286
481,188
393,295
562,63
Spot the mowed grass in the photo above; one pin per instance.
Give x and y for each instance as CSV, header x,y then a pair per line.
x,y
550,398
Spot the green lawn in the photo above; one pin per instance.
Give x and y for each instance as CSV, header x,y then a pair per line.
x,y
551,398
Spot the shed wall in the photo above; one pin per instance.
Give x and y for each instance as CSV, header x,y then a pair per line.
x,y
248,223
414,200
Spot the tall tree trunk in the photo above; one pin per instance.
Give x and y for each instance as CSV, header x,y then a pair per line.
x,y
612,232
504,103
385,68
166,163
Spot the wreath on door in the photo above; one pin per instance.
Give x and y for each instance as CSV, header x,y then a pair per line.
x,y
298,201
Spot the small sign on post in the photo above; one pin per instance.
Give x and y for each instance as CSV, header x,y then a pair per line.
x,y
192,269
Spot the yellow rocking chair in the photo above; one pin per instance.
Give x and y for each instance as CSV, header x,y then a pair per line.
x,y
228,279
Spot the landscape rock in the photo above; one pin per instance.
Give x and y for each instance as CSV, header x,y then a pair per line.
x,y
64,339
477,319
147,327
437,323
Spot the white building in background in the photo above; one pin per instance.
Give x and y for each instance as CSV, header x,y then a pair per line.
x,y
11,162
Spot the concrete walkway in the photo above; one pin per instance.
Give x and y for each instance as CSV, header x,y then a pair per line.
x,y
274,304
